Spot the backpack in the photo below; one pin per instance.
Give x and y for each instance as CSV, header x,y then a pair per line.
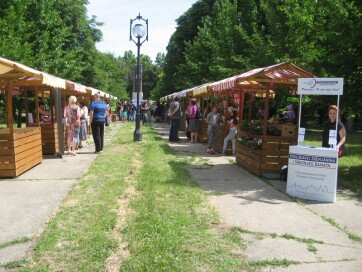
x,y
198,114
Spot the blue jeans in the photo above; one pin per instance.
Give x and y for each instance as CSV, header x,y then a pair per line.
x,y
175,124
230,136
212,134
144,118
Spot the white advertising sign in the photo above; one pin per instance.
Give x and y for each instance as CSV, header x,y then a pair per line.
x,y
320,86
312,173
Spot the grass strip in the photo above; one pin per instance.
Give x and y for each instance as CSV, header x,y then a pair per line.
x,y
287,236
15,242
78,237
171,228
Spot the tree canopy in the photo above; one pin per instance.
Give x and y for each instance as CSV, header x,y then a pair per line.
x,y
220,38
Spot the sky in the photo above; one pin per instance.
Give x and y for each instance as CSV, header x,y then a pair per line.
x,y
116,15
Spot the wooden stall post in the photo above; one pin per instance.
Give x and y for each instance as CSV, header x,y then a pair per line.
x,y
266,112
59,118
37,107
9,107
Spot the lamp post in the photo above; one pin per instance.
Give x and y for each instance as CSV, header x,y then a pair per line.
x,y
138,30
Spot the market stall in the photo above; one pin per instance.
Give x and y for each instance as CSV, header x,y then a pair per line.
x,y
21,148
263,142
204,98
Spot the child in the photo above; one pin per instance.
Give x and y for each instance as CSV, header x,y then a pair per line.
x,y
232,133
212,120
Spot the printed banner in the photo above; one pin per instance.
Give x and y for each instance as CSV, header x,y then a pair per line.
x,y
312,173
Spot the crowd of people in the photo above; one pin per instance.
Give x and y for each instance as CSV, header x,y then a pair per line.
x,y
77,119
150,112
193,115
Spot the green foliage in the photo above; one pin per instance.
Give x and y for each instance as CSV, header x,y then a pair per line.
x,y
216,39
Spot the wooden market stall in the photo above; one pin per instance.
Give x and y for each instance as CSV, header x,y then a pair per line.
x,y
258,150
21,148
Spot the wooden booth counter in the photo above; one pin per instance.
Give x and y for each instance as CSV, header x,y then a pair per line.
x,y
183,126
270,158
202,135
19,151
49,138
222,132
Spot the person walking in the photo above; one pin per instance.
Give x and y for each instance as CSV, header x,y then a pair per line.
x,y
233,123
144,110
175,115
72,115
212,120
97,118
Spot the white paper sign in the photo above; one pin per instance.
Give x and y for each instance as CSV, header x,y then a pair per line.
x,y
332,133
320,86
312,173
30,118
301,138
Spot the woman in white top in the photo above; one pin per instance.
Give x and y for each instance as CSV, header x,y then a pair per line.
x,y
83,130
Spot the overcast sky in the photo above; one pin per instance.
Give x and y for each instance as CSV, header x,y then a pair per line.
x,y
116,15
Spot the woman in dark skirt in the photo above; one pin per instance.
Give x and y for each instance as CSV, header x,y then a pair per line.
x,y
192,127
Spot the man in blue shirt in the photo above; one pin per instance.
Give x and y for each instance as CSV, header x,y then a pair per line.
x,y
97,117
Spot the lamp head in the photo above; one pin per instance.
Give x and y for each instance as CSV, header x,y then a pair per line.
x,y
138,31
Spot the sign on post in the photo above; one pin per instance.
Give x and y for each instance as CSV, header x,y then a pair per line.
x,y
320,86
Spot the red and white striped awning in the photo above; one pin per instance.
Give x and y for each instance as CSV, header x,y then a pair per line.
x,y
283,73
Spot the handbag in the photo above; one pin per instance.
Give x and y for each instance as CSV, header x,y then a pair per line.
x,y
107,121
342,151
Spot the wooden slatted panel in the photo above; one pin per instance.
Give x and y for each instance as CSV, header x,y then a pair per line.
x,y
35,161
248,158
270,159
21,152
202,134
49,137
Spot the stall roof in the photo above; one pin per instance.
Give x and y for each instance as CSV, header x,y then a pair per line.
x,y
23,75
76,87
285,73
201,89
103,94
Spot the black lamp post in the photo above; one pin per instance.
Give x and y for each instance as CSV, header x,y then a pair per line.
x,y
138,31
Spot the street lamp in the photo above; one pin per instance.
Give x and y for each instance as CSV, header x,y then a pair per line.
x,y
138,30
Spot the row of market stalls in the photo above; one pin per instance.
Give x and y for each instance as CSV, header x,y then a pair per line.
x,y
264,137
22,147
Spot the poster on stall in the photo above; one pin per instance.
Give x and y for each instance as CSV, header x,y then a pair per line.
x,y
236,98
312,173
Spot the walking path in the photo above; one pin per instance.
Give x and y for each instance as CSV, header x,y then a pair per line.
x,y
27,202
275,229
273,226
